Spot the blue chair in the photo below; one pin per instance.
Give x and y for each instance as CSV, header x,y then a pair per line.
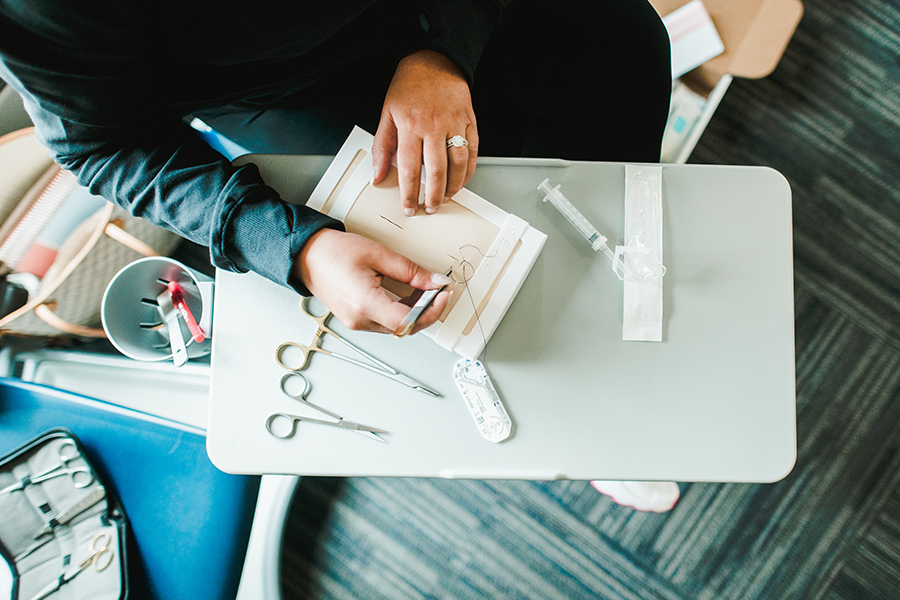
x,y
189,522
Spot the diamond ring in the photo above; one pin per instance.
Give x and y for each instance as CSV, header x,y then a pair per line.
x,y
457,141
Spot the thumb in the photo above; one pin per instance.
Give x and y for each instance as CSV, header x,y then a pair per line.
x,y
384,146
399,268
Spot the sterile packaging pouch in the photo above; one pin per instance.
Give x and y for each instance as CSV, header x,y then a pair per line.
x,y
640,259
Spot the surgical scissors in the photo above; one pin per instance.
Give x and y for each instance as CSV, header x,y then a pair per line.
x,y
101,557
81,476
306,350
294,419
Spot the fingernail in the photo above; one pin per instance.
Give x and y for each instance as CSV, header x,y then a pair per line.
x,y
409,212
429,210
441,279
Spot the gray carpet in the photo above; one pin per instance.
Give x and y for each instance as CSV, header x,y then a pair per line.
x,y
828,119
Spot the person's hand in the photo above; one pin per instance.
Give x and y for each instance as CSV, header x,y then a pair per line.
x,y
344,271
427,103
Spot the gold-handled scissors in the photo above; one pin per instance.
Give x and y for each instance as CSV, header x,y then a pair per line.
x,y
100,558
306,350
282,433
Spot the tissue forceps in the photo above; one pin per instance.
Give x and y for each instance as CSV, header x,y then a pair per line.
x,y
294,419
81,476
379,367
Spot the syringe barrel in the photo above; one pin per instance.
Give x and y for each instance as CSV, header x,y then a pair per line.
x,y
572,215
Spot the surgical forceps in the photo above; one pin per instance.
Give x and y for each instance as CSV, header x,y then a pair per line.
x,y
379,367
81,476
294,419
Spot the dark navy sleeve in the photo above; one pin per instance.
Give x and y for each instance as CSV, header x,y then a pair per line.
x,y
91,75
160,170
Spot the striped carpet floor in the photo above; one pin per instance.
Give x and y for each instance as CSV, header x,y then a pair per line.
x,y
829,119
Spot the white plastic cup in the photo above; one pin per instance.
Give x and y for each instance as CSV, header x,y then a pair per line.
x,y
122,311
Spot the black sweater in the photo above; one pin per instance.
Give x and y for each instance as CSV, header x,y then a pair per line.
x,y
108,83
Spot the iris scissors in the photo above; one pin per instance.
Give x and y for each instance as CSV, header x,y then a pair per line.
x,y
306,350
277,431
81,476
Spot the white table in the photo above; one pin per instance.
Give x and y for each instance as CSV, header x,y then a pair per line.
x,y
715,401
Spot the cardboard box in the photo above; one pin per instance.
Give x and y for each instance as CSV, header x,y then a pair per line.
x,y
755,34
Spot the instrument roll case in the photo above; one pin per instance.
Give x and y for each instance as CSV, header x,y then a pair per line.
x,y
61,530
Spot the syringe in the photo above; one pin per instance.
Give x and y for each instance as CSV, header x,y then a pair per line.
x,y
573,216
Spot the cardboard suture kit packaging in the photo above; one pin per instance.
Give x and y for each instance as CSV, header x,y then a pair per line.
x,y
754,33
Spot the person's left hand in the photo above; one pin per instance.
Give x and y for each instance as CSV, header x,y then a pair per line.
x,y
427,103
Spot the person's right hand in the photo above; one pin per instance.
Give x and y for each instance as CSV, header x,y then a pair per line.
x,y
344,271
